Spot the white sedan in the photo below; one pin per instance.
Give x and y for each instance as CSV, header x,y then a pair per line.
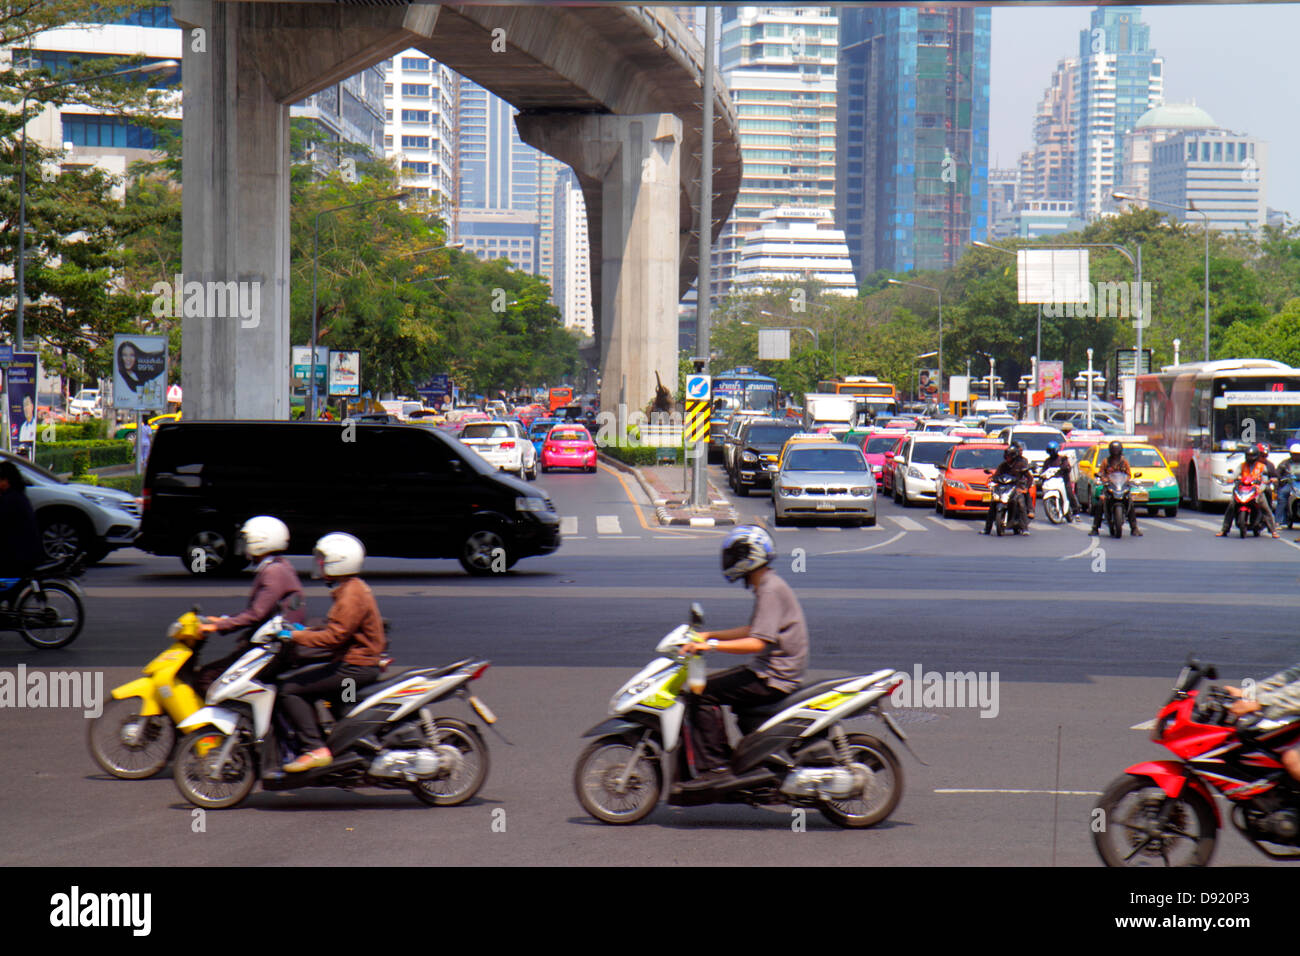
x,y
503,445
916,467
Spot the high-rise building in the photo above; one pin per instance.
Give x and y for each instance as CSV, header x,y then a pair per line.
x,y
1120,78
1219,172
913,99
572,254
778,64
420,126
1048,168
548,171
795,243
1004,196
1154,127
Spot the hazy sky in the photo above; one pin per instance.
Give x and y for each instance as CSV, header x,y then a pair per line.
x,y
1239,62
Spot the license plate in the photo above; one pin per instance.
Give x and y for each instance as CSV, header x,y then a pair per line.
x,y
482,710
986,498
1139,496
825,506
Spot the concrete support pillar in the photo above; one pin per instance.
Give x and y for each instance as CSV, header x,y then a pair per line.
x,y
629,167
244,64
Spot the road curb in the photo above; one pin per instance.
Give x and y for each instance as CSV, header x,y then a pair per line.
x,y
666,508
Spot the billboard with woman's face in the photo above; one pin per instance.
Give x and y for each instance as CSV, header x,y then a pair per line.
x,y
140,371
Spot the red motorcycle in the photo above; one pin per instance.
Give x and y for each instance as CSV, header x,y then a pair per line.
x,y
1247,502
1165,807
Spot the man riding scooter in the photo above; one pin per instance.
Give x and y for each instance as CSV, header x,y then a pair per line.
x,y
1058,464
1014,463
1277,697
1115,462
1251,470
1288,473
776,632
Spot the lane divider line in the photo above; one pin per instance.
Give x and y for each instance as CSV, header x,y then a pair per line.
x,y
869,547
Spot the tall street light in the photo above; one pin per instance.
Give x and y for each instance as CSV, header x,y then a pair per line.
x,y
315,257
1205,217
20,270
918,285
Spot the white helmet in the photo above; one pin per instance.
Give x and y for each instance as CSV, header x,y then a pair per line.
x,y
339,555
264,535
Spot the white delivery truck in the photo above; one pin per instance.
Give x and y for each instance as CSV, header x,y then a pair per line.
x,y
828,409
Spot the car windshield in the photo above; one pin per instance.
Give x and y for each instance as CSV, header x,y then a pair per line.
x,y
977,458
1141,457
485,431
569,434
770,434
930,452
1037,441
826,459
878,446
541,428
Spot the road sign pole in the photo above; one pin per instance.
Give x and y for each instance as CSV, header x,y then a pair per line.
x,y
695,435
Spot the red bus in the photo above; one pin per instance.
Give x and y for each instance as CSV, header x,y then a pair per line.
x,y
561,396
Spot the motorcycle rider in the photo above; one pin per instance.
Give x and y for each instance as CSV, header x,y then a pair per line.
x,y
1014,463
276,590
1058,464
354,630
1290,468
1278,697
776,631
1252,470
1269,467
20,541
1115,462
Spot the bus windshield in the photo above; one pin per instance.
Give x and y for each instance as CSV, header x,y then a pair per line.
x,y
753,394
1256,410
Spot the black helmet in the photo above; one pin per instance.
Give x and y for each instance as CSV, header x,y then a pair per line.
x,y
1014,450
1116,449
1252,454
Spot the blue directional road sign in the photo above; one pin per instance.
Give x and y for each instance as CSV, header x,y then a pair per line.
x,y
698,387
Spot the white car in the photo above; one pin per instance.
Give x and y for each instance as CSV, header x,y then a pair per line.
x,y
916,467
72,517
503,445
86,402
1034,438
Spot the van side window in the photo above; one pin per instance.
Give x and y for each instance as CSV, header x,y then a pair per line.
x,y
403,453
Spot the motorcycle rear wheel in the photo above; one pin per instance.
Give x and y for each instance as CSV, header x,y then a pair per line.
x,y
131,759
1130,806
883,791
452,790
53,620
190,773
595,779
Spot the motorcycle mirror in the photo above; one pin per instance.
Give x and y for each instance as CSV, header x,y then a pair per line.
x,y
697,614
1211,672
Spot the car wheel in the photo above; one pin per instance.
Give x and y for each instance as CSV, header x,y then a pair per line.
x,y
485,552
1171,512
63,534
742,491
210,551
532,472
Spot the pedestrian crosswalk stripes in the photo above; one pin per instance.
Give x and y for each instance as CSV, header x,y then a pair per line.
x,y
569,525
907,524
1202,523
608,524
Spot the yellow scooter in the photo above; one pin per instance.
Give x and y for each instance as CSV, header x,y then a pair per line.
x,y
134,736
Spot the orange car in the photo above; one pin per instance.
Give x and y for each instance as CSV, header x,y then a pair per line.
x,y
964,478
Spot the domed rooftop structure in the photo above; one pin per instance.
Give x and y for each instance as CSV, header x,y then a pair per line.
x,y
1176,116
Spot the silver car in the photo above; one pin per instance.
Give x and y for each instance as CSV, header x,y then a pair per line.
x,y
73,517
830,480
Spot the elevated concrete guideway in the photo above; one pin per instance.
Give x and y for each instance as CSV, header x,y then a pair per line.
x,y
614,91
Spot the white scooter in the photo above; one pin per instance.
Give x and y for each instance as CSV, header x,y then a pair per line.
x,y
1051,491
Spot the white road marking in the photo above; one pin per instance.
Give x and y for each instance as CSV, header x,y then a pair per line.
x,y
869,547
1145,725
823,527
1163,526
1067,793
907,524
569,525
1086,551
1202,523
939,521
608,524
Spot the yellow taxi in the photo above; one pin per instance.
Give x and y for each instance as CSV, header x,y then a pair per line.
x,y
801,438
1154,485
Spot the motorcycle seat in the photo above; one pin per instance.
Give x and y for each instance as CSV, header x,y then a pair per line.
x,y
804,692
388,682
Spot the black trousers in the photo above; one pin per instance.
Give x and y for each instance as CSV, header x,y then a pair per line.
x,y
1018,516
740,687
1265,513
298,694
1099,512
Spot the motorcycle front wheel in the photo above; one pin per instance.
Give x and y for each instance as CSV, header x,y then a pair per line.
x,y
883,790
193,767
1053,508
470,770
1117,520
1133,833
597,780
129,745
1243,522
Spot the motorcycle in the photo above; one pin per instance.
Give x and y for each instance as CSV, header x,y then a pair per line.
x,y
46,608
1055,501
134,736
1116,496
1008,502
795,751
1247,500
390,739
1164,805
1293,502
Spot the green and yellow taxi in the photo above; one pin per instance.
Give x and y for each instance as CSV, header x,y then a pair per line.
x,y
1155,487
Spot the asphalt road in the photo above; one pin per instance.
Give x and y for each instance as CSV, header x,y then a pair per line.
x,y
1083,641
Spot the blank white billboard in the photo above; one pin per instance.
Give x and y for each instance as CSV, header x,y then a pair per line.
x,y
774,344
1052,275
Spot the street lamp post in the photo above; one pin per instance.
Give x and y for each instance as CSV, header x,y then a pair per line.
x,y
315,257
940,295
20,269
1205,218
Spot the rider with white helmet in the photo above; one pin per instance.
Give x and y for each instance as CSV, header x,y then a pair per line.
x,y
354,632
777,633
1288,473
276,590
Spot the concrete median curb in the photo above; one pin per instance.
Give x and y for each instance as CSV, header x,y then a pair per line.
x,y
670,511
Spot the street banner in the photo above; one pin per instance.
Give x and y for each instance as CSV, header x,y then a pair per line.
x,y
301,371
345,374
1051,378
927,384
140,372
20,395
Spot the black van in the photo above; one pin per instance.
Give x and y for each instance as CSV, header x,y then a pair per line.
x,y
408,491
